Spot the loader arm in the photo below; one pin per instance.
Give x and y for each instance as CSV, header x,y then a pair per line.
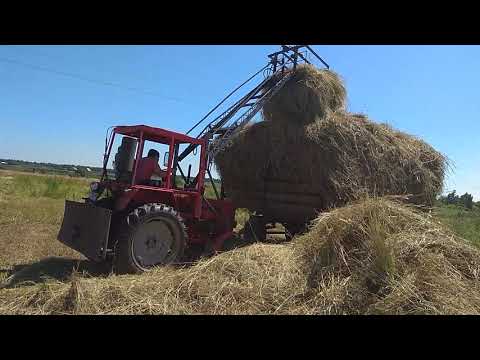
x,y
219,131
224,139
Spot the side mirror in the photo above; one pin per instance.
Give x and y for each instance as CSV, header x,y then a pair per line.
x,y
165,159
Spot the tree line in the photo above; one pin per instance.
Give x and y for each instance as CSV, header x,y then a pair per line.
x,y
465,200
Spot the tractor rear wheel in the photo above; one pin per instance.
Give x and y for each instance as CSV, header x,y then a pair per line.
x,y
151,235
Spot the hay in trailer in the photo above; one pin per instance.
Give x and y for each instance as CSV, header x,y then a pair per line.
x,y
335,160
381,257
310,94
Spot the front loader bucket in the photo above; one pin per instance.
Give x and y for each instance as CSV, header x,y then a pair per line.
x,y
86,228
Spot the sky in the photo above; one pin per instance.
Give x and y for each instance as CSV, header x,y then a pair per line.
x,y
56,102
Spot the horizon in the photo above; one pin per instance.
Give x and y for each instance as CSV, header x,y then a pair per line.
x,y
58,101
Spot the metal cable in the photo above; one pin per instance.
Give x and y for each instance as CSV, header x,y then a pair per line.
x,y
226,98
80,77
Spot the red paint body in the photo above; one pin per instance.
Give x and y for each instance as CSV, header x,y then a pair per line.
x,y
204,225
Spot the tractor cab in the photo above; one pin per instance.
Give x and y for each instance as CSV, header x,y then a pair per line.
x,y
178,187
133,147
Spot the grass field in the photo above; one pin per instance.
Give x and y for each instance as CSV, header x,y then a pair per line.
x,y
463,222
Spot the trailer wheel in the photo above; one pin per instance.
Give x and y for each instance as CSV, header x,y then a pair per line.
x,y
255,229
291,230
151,235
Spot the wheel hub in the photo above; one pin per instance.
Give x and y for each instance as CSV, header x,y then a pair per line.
x,y
153,244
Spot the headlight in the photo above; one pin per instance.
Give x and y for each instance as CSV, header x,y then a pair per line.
x,y
94,186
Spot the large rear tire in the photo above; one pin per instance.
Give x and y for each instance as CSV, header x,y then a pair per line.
x,y
151,235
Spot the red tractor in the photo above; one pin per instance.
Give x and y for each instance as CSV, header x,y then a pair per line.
x,y
139,225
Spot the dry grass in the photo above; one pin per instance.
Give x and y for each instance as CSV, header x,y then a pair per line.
x,y
310,94
376,256
246,281
29,224
381,257
29,219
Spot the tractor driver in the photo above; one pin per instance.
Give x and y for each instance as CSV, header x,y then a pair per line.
x,y
148,166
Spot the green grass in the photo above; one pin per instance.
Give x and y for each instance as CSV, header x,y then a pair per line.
x,y
52,187
209,192
43,190
465,223
30,216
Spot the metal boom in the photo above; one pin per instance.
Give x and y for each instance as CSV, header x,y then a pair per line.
x,y
218,132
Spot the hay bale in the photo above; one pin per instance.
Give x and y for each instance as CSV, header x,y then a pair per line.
x,y
331,162
381,257
310,94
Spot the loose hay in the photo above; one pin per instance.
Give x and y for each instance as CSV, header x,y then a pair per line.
x,y
328,163
310,93
381,257
251,280
372,257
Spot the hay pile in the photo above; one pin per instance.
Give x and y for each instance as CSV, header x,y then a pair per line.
x,y
381,257
325,158
335,160
309,94
252,280
375,256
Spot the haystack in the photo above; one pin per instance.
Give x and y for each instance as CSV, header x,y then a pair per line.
x,y
326,163
308,95
310,155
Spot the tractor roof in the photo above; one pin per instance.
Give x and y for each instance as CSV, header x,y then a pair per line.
x,y
155,134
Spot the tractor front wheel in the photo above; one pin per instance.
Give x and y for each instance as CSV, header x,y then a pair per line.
x,y
151,235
